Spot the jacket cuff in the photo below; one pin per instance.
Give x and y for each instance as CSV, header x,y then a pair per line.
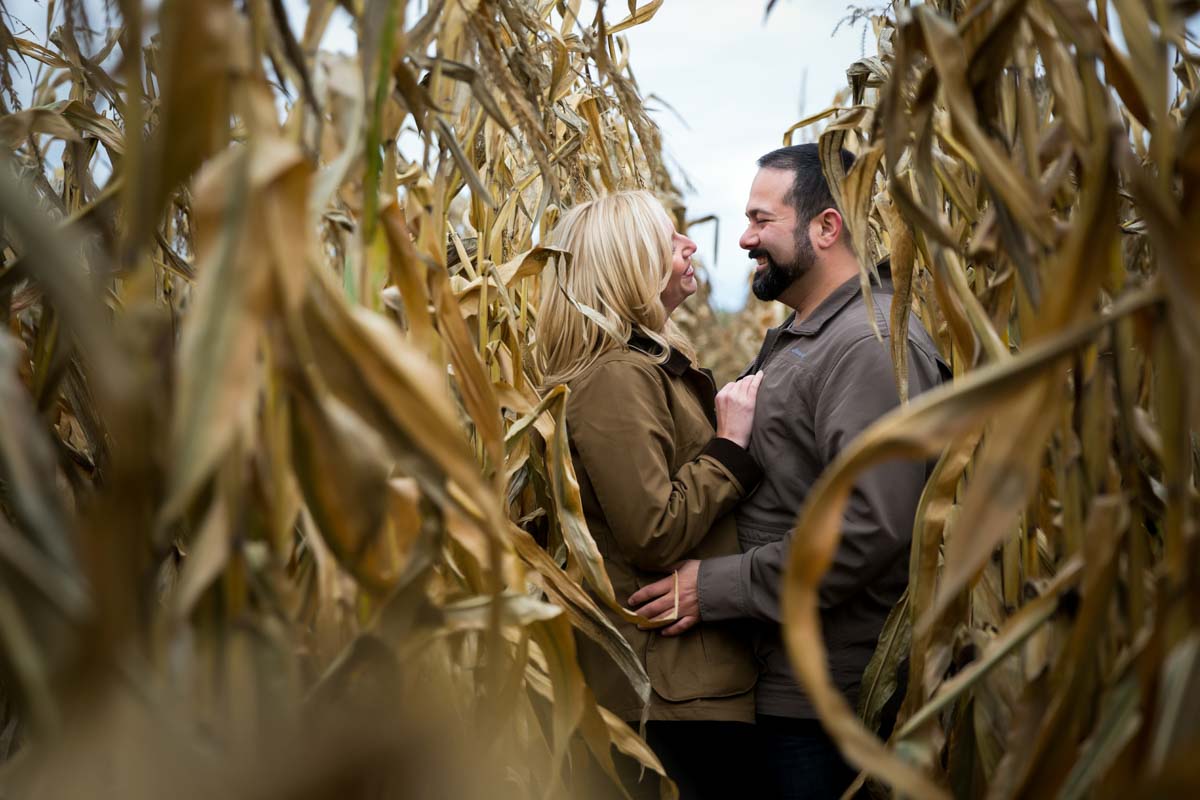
x,y
737,460
719,588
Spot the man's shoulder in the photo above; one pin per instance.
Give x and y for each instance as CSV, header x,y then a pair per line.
x,y
854,323
850,336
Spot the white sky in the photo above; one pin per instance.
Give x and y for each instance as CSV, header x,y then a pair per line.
x,y
736,81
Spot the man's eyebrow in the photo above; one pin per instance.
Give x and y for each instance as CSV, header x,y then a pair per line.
x,y
757,212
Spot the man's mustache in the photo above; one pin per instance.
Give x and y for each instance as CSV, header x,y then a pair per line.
x,y
757,253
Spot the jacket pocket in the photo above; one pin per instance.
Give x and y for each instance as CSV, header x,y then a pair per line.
x,y
711,660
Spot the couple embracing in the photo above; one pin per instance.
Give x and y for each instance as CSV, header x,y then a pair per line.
x,y
679,479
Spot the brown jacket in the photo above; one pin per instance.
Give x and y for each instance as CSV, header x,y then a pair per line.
x,y
826,379
657,487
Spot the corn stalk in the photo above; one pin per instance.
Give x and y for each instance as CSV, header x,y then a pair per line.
x,y
283,508
1032,175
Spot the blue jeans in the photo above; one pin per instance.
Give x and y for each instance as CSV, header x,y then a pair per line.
x,y
801,760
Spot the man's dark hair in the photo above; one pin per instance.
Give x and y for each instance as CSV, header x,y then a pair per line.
x,y
810,193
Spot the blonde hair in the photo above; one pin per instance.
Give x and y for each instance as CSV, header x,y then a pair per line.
x,y
609,287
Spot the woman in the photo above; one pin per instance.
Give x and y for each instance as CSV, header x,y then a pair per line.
x,y
661,460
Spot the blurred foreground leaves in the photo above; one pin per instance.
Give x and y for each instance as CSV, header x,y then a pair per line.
x,y
283,509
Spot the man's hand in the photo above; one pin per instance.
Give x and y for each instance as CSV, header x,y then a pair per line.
x,y
659,598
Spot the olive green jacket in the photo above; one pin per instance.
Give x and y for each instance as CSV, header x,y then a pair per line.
x,y
657,487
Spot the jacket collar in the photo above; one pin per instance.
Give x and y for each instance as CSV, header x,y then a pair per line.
x,y
831,306
676,364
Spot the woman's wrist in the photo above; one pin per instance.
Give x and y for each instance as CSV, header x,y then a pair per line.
x,y
737,460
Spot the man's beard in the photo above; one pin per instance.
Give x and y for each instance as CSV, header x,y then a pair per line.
x,y
774,278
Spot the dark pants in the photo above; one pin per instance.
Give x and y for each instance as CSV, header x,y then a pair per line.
x,y
715,760
800,761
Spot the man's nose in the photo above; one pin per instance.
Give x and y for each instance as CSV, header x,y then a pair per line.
x,y
749,239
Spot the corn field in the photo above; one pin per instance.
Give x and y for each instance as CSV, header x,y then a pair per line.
x,y
285,515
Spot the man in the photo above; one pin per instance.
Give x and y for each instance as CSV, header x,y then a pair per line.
x,y
827,378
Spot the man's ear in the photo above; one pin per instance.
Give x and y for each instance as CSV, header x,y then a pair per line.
x,y
827,228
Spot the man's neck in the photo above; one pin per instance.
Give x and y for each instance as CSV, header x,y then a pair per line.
x,y
813,287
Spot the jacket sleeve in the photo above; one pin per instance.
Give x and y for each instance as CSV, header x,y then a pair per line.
x,y
877,521
623,435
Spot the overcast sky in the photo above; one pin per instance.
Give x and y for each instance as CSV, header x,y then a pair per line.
x,y
736,81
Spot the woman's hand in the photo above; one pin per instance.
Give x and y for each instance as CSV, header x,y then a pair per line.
x,y
735,409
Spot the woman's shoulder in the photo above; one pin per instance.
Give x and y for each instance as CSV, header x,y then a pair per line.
x,y
615,363
617,376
